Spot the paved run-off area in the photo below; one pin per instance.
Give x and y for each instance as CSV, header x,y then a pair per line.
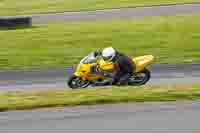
x,y
180,117
110,14
123,13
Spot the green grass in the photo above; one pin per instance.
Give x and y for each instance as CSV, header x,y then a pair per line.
x,y
21,7
170,39
58,98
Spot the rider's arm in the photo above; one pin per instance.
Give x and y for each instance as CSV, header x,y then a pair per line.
x,y
97,53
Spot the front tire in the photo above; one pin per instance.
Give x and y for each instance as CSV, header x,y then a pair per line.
x,y
139,80
75,82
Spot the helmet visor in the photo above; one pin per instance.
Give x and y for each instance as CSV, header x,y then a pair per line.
x,y
108,58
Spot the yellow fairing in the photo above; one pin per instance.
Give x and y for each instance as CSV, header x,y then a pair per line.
x,y
106,66
142,61
83,71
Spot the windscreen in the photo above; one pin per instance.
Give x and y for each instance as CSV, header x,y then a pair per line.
x,y
90,59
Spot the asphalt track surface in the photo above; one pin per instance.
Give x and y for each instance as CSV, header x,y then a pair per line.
x,y
124,13
56,79
180,117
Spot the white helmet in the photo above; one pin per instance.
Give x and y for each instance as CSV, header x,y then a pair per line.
x,y
108,54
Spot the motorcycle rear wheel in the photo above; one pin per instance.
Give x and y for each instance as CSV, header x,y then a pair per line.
x,y
140,78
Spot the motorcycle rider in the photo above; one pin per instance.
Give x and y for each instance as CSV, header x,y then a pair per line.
x,y
124,65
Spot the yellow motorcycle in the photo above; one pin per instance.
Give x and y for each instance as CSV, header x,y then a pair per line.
x,y
90,70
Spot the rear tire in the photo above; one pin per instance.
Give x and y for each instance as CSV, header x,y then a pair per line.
x,y
141,80
75,82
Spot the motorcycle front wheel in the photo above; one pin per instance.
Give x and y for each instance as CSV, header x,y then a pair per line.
x,y
140,78
75,82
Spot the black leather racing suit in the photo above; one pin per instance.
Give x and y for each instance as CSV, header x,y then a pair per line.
x,y
125,67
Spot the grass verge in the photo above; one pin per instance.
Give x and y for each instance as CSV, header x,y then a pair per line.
x,y
59,98
172,39
22,7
